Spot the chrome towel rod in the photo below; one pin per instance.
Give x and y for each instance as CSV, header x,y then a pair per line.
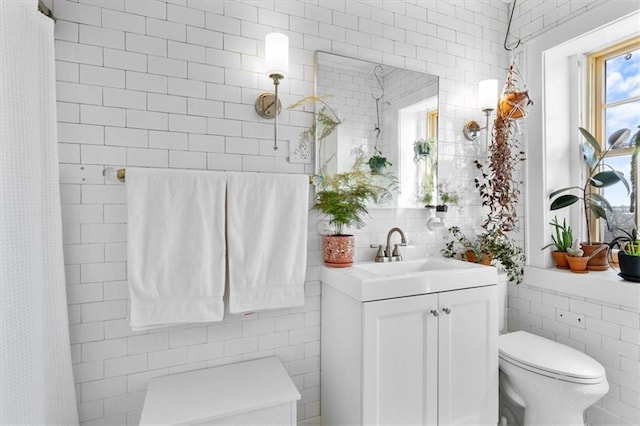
x,y
120,174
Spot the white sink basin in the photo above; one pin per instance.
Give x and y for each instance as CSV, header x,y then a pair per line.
x,y
404,267
370,281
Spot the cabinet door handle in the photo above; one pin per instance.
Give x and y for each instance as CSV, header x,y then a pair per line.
x,y
447,310
435,312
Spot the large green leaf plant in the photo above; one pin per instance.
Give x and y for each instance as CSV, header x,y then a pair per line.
x,y
599,175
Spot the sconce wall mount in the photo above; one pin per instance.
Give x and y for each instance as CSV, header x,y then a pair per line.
x,y
266,105
276,58
487,97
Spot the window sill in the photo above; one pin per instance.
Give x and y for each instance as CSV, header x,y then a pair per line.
x,y
603,286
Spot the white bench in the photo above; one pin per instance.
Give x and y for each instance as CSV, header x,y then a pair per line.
x,y
255,392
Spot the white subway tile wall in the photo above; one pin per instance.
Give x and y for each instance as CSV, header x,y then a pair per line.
x,y
172,84
608,333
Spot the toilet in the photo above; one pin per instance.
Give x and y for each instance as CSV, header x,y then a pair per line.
x,y
543,382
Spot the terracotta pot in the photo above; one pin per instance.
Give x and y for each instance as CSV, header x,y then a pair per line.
x,y
629,266
560,258
514,105
471,257
339,250
577,264
600,262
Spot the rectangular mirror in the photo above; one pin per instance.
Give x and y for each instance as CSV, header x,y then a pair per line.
x,y
386,113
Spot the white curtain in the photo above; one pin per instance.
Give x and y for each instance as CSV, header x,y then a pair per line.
x,y
36,382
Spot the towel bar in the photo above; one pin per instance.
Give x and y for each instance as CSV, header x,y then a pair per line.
x,y
120,174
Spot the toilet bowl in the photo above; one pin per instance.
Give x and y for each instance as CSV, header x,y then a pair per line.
x,y
543,382
552,382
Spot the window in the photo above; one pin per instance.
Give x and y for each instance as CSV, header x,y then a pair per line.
x,y
615,83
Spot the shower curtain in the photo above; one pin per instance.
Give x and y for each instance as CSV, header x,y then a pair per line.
x,y
36,382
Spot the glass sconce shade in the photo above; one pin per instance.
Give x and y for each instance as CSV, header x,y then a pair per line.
x,y
276,54
488,94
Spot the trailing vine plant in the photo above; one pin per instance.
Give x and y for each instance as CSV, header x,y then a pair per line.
x,y
498,188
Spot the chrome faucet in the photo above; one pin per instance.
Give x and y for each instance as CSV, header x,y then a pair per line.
x,y
395,254
389,255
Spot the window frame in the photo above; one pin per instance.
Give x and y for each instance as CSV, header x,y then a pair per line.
x,y
597,105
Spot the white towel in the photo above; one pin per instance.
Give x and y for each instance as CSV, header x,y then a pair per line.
x,y
36,378
176,246
267,240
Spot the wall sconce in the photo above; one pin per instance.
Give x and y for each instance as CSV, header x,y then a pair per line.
x,y
276,59
487,100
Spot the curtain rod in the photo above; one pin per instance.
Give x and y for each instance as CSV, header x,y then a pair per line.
x,y
45,10
120,174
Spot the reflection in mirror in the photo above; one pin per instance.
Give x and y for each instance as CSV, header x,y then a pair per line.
x,y
390,115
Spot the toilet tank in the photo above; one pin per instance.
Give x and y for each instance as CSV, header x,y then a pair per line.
x,y
502,303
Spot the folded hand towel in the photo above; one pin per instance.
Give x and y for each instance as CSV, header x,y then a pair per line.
x,y
176,246
267,240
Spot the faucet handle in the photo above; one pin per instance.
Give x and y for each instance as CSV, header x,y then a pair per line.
x,y
396,252
380,254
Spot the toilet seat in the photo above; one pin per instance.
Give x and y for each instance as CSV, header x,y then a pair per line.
x,y
548,358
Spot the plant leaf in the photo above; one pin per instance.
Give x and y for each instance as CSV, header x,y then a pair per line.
x,y
563,201
618,137
592,141
598,211
600,199
607,178
558,191
589,155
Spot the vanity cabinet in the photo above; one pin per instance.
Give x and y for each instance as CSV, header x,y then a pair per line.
x,y
427,359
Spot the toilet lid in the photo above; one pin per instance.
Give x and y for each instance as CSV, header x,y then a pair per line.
x,y
537,353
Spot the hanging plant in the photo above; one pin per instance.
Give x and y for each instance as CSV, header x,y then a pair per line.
x,y
515,96
499,190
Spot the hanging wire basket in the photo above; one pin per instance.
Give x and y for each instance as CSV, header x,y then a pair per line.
x,y
515,101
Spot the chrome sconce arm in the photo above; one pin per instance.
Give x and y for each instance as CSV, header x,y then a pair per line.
x,y
277,64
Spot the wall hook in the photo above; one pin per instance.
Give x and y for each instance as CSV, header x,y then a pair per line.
x,y
506,36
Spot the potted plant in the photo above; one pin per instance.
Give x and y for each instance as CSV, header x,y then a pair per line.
x,y
562,241
629,254
484,248
447,197
515,97
629,259
343,198
423,149
427,199
576,259
377,162
593,201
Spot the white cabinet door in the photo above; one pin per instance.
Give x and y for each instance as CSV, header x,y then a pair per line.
x,y
468,357
400,371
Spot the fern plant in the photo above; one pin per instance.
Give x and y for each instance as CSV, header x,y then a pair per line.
x,y
325,123
343,197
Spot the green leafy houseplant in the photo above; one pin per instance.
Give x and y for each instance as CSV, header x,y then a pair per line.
x,y
629,254
377,162
490,244
447,197
343,197
597,178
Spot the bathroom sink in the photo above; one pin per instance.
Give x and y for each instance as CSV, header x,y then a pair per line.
x,y
370,281
404,267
